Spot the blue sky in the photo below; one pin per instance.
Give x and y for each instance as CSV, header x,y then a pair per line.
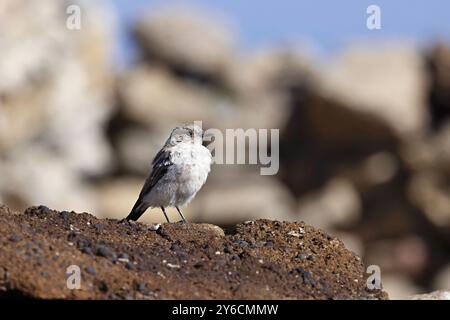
x,y
327,26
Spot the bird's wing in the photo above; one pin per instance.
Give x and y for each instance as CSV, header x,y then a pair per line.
x,y
160,165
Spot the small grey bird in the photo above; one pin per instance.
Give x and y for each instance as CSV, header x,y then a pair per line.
x,y
178,172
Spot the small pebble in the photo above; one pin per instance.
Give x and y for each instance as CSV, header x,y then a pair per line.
x,y
87,250
269,243
235,257
83,243
103,286
130,266
91,270
182,255
99,227
242,243
123,257
65,215
277,224
154,227
302,256
44,210
142,288
15,238
106,252
295,234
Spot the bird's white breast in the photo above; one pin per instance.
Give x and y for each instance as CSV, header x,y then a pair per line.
x,y
191,165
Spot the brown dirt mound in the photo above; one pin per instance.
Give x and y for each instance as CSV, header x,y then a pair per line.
x,y
119,260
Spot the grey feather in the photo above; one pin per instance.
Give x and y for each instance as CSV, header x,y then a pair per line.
x,y
160,165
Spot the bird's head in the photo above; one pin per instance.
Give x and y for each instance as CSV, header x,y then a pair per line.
x,y
186,133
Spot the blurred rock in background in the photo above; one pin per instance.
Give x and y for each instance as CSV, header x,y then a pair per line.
x,y
365,138
438,60
55,98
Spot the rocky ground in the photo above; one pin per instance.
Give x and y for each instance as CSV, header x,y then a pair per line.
x,y
260,259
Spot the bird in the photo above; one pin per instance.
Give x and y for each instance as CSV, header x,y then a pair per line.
x,y
178,171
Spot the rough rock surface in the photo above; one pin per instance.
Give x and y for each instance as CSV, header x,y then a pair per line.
x,y
119,260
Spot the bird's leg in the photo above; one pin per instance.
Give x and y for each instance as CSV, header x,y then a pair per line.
x,y
182,217
165,214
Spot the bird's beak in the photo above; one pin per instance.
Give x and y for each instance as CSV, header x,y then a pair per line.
x,y
207,138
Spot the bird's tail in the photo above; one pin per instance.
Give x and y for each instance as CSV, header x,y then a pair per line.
x,y
137,211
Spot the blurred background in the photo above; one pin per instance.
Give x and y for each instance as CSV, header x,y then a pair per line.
x,y
364,115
